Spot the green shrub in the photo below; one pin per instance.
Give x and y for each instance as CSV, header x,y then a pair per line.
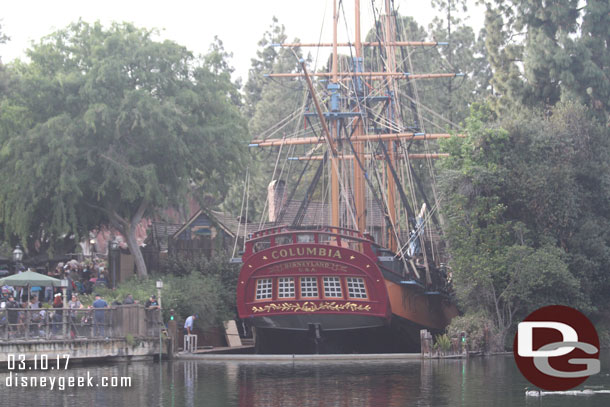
x,y
201,286
442,343
130,340
480,332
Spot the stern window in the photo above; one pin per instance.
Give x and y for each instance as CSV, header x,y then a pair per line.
x,y
332,287
262,244
309,287
264,289
283,240
285,287
356,287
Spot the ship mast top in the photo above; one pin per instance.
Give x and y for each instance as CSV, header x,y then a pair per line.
x,y
346,132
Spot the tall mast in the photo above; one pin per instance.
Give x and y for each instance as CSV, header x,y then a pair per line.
x,y
343,125
359,185
391,68
333,87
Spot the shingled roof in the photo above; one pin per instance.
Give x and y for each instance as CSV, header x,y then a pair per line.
x,y
161,232
318,213
230,223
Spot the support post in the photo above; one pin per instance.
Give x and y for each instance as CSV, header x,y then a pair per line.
x,y
64,313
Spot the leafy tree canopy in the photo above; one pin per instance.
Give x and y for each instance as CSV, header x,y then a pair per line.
x,y
109,125
542,52
273,107
527,212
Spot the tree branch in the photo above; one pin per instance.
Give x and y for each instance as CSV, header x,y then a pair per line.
x,y
496,299
112,215
137,217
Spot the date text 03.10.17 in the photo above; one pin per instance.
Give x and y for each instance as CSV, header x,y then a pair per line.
x,y
25,362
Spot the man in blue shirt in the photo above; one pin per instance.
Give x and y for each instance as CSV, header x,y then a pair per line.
x,y
98,315
188,324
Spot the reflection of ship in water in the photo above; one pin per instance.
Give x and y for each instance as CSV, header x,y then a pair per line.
x,y
329,384
361,270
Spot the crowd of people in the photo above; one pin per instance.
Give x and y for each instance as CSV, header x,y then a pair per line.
x,y
40,310
82,277
40,321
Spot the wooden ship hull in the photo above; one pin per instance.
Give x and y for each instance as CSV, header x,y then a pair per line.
x,y
326,290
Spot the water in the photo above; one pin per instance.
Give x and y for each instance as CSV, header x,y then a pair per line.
x,y
493,381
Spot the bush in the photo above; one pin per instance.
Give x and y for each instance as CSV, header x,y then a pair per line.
x,y
442,343
201,286
480,332
216,274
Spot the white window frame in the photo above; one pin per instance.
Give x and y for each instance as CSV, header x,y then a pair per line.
x,y
355,286
309,279
336,285
264,289
286,284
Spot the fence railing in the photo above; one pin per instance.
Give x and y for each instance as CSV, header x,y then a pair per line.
x,y
71,324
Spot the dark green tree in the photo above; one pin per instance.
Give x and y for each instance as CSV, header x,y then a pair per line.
x,y
526,208
109,126
592,51
463,54
272,108
542,52
3,74
3,37
266,58
505,53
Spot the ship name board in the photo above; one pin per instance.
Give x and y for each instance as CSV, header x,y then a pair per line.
x,y
307,266
306,251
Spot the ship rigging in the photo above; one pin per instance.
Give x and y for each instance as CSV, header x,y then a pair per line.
x,y
374,262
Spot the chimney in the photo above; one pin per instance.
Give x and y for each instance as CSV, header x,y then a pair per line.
x,y
277,199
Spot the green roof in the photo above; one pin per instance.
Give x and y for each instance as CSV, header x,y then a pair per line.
x,y
30,278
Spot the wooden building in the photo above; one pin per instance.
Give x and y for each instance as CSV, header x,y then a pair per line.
x,y
207,232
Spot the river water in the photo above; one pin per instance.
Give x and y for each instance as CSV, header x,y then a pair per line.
x,y
490,381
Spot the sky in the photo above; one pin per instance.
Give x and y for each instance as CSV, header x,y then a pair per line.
x,y
239,24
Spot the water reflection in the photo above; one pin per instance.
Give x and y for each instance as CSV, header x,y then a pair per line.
x,y
477,382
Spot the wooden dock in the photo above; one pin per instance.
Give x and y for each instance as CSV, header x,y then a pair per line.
x,y
285,358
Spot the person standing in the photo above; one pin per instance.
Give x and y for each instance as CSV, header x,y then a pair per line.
x,y
13,314
188,324
35,317
73,304
58,305
98,315
152,302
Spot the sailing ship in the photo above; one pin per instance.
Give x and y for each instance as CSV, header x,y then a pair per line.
x,y
364,272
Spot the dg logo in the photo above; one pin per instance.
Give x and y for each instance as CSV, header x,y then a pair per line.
x,y
556,348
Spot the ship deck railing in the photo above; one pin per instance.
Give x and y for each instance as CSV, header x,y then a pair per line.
x,y
287,236
308,229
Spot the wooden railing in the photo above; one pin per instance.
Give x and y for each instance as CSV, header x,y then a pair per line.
x,y
75,324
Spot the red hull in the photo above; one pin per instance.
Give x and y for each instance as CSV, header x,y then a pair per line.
x,y
329,277
292,278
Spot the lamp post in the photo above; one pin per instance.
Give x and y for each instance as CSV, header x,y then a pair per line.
x,y
17,256
92,248
63,283
159,287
